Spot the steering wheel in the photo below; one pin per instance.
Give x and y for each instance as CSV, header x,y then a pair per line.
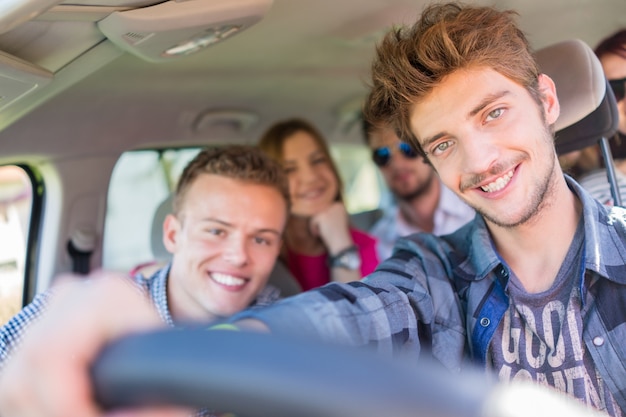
x,y
253,375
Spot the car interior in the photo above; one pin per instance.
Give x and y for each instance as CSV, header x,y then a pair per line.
x,y
104,101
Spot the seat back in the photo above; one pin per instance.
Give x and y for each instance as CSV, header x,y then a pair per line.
x,y
364,220
156,231
588,107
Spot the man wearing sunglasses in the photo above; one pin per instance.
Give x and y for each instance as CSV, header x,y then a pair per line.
x,y
421,202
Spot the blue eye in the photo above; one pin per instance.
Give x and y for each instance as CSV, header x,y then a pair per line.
x,y
215,232
443,146
494,114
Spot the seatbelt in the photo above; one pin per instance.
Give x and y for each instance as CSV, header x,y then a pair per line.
x,y
610,171
80,246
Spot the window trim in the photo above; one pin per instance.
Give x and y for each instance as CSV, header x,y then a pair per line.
x,y
34,231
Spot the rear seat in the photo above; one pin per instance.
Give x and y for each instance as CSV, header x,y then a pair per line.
x,y
364,220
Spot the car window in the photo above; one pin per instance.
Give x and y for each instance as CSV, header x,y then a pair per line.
x,y
16,201
141,180
364,188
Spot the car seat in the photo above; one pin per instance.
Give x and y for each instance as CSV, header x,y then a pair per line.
x,y
588,107
364,220
280,276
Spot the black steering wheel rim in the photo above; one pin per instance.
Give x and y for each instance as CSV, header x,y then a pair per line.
x,y
251,374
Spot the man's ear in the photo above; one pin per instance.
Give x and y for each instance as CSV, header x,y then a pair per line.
x,y
551,106
171,228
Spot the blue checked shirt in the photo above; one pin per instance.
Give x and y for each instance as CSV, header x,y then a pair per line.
x,y
155,287
444,296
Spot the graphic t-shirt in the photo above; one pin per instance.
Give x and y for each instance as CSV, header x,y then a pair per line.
x,y
540,337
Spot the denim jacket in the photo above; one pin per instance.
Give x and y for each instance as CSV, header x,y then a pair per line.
x,y
446,296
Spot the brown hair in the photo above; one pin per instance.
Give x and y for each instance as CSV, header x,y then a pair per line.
x,y
410,62
272,142
614,44
368,126
244,163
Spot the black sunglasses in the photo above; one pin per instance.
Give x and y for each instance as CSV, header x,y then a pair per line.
x,y
382,156
618,87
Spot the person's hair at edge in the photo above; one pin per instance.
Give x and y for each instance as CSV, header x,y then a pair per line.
x,y
240,162
411,61
272,142
614,44
366,128
369,126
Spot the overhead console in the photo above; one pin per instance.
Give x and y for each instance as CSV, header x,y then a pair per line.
x,y
18,78
48,45
175,29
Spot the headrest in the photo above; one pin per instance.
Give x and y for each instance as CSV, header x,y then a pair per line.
x,y
588,107
156,234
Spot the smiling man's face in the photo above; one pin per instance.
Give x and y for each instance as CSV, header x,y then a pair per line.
x,y
490,142
225,241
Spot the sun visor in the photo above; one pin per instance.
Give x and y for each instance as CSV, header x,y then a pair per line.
x,y
14,13
18,78
175,29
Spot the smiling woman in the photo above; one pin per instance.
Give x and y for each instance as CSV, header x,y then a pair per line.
x,y
321,244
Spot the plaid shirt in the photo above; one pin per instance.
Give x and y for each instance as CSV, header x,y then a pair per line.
x,y
445,296
155,287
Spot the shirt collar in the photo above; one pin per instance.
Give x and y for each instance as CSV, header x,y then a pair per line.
x,y
451,204
157,287
605,241
158,293
482,257
605,236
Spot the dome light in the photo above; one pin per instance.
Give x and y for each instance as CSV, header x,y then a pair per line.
x,y
202,40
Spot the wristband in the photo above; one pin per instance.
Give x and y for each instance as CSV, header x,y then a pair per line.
x,y
347,258
225,326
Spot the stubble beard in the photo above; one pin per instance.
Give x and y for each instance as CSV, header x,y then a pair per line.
x,y
419,191
540,199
